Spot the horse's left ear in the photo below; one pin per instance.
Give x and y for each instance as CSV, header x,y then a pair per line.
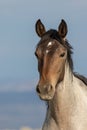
x,y
40,28
62,29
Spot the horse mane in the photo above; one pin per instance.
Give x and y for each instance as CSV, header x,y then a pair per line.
x,y
81,77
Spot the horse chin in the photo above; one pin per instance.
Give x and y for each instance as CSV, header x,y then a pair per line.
x,y
47,97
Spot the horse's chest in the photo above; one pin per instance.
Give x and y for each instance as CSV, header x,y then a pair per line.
x,y
73,116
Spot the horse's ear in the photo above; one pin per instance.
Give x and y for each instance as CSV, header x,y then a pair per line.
x,y
62,29
40,29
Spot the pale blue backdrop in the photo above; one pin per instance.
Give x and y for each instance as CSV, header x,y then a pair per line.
x,y
19,104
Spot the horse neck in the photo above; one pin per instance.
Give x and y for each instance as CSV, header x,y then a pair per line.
x,y
68,77
61,101
66,84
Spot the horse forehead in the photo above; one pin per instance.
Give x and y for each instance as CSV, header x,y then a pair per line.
x,y
45,44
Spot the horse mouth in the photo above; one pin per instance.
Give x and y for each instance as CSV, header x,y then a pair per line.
x,y
45,97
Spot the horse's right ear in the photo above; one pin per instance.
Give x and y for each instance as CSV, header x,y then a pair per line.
x,y
40,29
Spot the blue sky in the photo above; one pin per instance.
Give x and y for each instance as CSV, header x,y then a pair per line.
x,y
18,65
18,38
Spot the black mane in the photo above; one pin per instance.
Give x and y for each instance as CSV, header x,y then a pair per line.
x,y
81,77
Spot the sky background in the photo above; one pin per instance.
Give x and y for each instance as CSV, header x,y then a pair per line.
x,y
19,104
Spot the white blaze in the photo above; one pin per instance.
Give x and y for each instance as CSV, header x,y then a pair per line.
x,y
49,44
47,51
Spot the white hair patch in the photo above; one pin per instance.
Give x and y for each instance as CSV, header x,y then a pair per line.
x,y
47,51
49,44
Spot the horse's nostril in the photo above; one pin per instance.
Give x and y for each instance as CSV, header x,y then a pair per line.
x,y
38,89
45,89
49,88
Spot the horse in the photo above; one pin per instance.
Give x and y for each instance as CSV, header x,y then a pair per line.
x,y
64,90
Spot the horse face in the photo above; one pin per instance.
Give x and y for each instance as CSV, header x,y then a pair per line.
x,y
51,55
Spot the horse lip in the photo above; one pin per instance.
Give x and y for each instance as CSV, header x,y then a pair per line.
x,y
45,97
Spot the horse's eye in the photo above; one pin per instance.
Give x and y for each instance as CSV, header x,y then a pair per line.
x,y
62,55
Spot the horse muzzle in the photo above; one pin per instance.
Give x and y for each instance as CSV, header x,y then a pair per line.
x,y
45,92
